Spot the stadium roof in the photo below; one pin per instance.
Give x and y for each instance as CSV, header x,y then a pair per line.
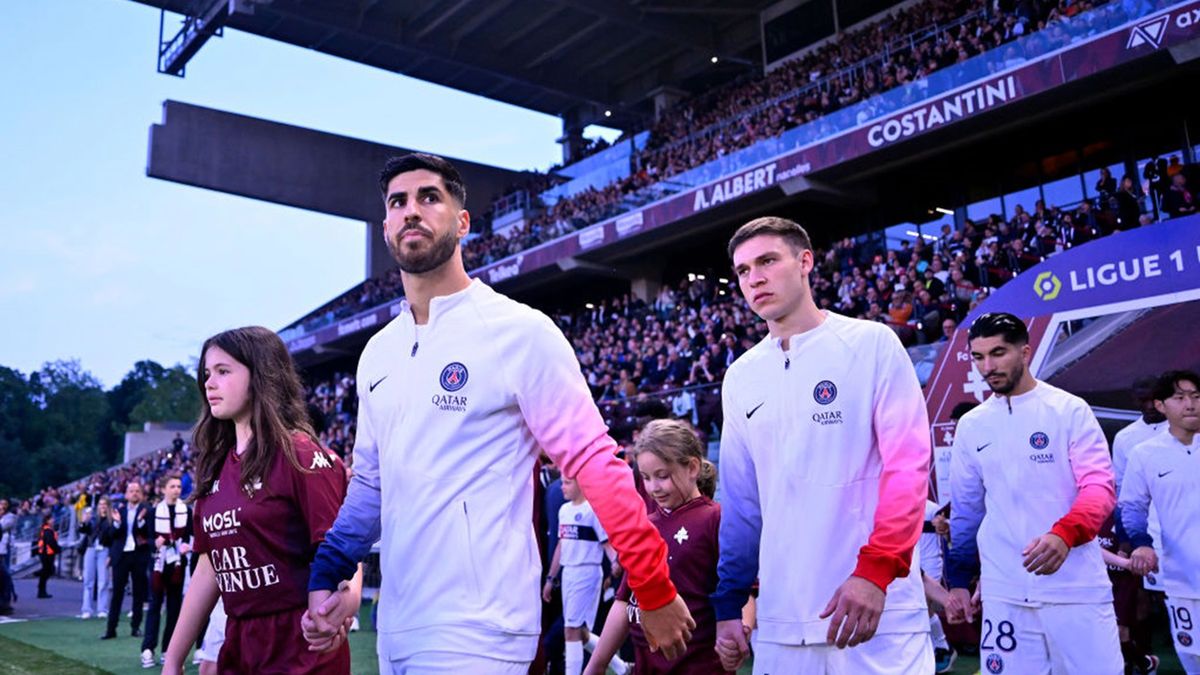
x,y
577,57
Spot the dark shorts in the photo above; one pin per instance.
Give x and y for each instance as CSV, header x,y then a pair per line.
x,y
272,644
1126,588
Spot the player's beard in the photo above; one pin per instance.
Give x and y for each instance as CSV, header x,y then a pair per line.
x,y
420,262
1011,378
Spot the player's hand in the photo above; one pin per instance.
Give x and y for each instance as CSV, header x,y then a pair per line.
x,y
329,622
668,628
185,548
1045,554
548,590
960,608
732,647
159,541
1143,561
855,607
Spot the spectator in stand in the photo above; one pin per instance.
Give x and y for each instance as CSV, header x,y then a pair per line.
x,y
1106,185
1178,200
1128,204
47,550
96,529
8,522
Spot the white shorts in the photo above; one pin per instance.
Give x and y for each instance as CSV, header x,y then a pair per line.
x,y
1050,638
891,654
214,635
1184,614
581,594
448,663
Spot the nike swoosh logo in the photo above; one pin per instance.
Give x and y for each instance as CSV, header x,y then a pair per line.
x,y
754,410
1165,473
376,383
980,448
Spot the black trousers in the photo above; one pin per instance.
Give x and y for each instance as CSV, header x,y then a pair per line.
x,y
173,594
45,573
132,566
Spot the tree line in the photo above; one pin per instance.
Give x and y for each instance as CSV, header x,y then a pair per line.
x,y
58,423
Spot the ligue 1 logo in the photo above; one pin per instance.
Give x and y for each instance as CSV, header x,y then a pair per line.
x,y
1185,639
995,664
1039,441
454,377
825,392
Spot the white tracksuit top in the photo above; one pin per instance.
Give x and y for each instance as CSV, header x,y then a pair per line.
x,y
1017,470
452,415
824,469
1165,473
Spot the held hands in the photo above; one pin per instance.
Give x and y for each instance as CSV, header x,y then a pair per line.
x,y
329,617
855,607
1143,561
960,608
1045,554
668,628
732,645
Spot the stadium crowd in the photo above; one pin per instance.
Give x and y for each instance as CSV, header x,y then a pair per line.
x,y
906,46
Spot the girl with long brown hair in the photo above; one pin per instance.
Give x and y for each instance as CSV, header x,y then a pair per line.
x,y
266,492
681,482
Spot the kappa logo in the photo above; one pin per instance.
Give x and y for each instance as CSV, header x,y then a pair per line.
x,y
216,486
825,392
1039,440
1148,32
320,461
995,664
454,377
681,536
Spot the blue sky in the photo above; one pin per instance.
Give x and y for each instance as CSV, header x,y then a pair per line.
x,y
100,263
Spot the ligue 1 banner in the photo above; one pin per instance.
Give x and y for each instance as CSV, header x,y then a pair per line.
x,y
1151,266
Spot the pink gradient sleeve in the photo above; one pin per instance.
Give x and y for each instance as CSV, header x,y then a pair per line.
x,y
901,426
560,413
1090,462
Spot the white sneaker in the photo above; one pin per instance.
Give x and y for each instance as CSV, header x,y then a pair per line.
x,y
147,658
102,615
85,615
162,659
354,625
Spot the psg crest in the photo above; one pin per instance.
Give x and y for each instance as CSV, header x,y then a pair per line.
x,y
1039,440
995,664
825,392
454,377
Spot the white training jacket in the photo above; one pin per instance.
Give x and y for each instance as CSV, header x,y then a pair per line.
x,y
1165,473
1020,467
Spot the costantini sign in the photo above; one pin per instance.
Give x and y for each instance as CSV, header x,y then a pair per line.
x,y
1092,55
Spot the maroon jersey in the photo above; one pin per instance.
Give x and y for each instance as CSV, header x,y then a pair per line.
x,y
261,546
691,535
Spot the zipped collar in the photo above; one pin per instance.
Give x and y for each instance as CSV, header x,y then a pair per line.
x,y
443,303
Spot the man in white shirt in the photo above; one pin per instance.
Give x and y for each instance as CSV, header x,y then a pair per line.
x,y
1164,471
825,456
458,395
1031,483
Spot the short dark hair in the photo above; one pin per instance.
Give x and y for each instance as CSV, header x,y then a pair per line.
x,y
419,160
1006,325
789,230
1168,383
